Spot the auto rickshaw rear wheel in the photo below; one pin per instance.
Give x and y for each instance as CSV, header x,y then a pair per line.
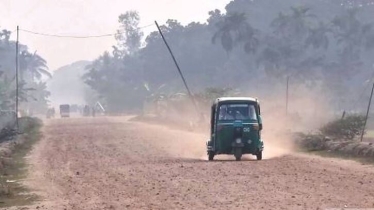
x,y
210,156
259,155
238,153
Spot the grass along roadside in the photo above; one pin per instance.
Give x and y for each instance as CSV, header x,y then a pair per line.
x,y
362,152
13,167
326,153
330,154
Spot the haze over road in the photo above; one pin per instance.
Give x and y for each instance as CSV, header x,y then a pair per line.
x,y
46,16
113,163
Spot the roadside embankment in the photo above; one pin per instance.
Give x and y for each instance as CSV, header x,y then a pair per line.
x,y
13,168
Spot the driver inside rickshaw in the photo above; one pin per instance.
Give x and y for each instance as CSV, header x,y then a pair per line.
x,y
246,113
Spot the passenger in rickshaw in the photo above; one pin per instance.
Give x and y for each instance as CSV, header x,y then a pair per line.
x,y
237,113
225,114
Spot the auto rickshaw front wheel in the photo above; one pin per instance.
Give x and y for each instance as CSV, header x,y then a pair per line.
x,y
210,156
238,153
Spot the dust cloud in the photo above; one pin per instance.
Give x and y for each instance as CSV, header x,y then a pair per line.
x,y
307,111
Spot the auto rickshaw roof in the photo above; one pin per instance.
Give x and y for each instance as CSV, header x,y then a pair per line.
x,y
236,99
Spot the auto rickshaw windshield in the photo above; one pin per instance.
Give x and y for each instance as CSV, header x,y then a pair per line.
x,y
237,112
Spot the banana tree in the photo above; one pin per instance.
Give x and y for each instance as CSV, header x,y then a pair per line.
x,y
154,98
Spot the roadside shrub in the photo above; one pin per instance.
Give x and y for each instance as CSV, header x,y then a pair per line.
x,y
344,129
29,123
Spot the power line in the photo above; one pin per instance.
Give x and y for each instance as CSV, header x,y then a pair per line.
x,y
76,37
146,26
65,36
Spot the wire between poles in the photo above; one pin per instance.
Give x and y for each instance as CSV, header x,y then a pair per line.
x,y
65,36
77,37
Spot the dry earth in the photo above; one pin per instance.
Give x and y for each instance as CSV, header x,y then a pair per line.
x,y
112,163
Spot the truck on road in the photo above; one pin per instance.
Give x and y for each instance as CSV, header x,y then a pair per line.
x,y
65,110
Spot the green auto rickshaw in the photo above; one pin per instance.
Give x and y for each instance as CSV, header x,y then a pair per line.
x,y
235,128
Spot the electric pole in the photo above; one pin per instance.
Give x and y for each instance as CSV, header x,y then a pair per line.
x,y
367,113
288,79
179,70
17,88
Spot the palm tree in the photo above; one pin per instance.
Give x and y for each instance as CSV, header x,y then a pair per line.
x,y
285,52
34,64
351,33
294,25
353,37
319,36
234,29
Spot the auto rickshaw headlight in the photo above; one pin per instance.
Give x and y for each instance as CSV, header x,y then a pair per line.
x,y
238,141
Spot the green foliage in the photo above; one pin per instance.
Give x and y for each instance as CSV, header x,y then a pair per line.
x,y
344,129
207,96
27,124
129,35
32,69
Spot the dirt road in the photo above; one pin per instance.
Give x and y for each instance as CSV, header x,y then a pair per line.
x,y
111,163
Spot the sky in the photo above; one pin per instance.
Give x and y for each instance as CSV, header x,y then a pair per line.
x,y
90,17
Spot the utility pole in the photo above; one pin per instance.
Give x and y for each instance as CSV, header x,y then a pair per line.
x,y
288,79
367,113
17,91
343,115
179,70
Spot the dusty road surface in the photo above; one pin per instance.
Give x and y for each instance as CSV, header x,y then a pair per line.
x,y
112,163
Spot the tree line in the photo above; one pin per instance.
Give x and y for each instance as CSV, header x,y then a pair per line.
x,y
252,47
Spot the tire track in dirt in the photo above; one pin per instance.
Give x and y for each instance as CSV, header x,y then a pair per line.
x,y
110,163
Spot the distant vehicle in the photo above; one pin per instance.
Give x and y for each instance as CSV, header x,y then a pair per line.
x,y
93,112
74,108
50,113
235,128
65,110
86,111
